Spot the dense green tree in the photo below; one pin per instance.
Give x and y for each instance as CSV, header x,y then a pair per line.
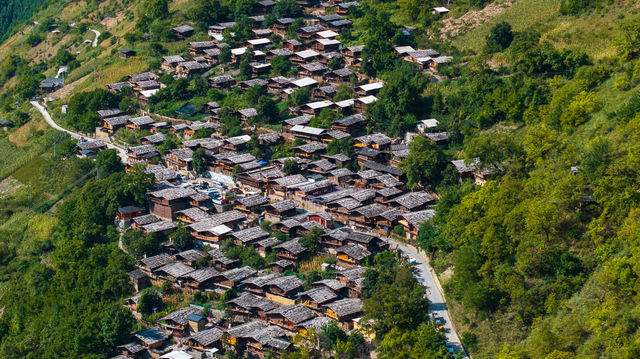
x,y
424,164
199,161
291,167
267,109
149,299
311,240
108,162
181,239
499,38
280,65
399,101
300,97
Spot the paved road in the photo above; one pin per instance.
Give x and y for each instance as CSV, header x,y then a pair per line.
x,y
47,117
427,277
95,40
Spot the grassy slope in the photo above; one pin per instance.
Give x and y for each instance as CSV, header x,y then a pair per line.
x,y
590,32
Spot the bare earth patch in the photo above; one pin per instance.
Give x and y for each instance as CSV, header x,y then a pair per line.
x,y
8,186
453,27
68,88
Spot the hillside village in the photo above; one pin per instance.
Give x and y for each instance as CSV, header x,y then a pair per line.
x,y
338,204
188,179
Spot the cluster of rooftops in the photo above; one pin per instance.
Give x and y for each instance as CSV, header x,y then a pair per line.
x,y
351,201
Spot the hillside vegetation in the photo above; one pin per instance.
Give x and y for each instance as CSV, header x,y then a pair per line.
x,y
539,262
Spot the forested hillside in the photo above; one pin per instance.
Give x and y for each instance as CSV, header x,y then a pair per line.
x,y
539,259
13,12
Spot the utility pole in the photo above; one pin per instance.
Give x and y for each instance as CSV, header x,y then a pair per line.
x,y
54,150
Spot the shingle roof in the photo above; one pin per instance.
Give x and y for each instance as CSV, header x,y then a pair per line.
x,y
319,295
284,205
157,261
414,199
151,336
333,284
417,218
250,301
371,210
251,234
346,306
177,269
191,254
354,251
295,313
287,283
207,337
238,274
292,246
173,193
146,219
180,316
203,274
253,201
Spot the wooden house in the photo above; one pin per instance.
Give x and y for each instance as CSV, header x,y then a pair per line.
x,y
151,338
139,279
411,222
251,204
352,255
260,340
169,63
166,202
189,68
131,350
352,278
283,187
112,124
290,316
249,235
248,305
221,82
205,339
351,124
140,123
281,25
200,279
344,311
353,54
308,32
283,289
222,263
339,76
325,45
291,251
177,322
293,45
282,266
278,210
231,278
182,31
304,56
344,8
314,70
317,297
125,53
189,257
265,246
198,47
151,264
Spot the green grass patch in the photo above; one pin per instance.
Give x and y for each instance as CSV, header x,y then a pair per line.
x,y
591,33
31,170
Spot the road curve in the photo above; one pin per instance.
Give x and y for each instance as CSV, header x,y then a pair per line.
x,y
95,40
437,304
47,117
